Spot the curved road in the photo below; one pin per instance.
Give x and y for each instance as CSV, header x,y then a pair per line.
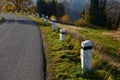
x,y
21,50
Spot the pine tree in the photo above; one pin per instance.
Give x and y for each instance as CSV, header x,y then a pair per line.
x,y
96,13
50,7
41,6
93,12
118,20
54,7
60,10
102,13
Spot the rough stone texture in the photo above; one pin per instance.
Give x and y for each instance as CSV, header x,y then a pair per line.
x,y
86,55
47,20
43,17
62,34
54,26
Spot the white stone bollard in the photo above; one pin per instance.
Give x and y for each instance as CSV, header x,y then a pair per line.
x,y
28,13
86,55
24,13
42,17
21,12
62,34
47,20
38,15
32,14
54,27
16,11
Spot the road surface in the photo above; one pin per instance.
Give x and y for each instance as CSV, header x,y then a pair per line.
x,y
21,51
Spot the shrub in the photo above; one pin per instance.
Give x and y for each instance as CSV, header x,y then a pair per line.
x,y
53,17
80,22
65,18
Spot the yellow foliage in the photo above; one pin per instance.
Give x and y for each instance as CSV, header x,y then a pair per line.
x,y
53,17
33,9
65,18
9,7
80,22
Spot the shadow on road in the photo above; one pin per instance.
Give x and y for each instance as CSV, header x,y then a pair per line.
x,y
26,22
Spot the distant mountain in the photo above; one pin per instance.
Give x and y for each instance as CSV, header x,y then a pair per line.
x,y
34,1
74,7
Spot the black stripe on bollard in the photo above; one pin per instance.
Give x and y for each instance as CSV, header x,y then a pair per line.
x,y
63,32
53,21
87,48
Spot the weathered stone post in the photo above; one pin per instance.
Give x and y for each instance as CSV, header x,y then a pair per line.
x,y
16,11
20,12
42,17
86,55
32,14
47,20
28,13
62,34
24,13
54,27
38,15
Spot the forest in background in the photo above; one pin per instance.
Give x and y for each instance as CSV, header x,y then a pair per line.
x,y
103,13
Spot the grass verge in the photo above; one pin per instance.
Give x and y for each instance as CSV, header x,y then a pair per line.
x,y
106,47
63,59
1,19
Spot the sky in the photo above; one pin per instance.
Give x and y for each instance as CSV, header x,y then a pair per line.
x,y
34,2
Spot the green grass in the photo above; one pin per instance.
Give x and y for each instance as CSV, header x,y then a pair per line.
x,y
63,59
96,35
0,19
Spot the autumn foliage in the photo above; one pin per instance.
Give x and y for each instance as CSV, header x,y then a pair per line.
x,y
12,5
65,18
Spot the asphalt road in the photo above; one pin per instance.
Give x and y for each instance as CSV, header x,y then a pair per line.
x,y
21,51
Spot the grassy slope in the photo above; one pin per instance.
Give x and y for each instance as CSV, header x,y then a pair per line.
x,y
107,48
111,44
63,61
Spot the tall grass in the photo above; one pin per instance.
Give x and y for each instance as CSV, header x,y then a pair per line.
x,y
63,58
1,19
105,47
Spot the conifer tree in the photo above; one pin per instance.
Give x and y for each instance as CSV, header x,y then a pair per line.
x,y
96,13
50,7
41,6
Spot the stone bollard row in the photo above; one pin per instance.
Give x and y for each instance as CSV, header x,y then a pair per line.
x,y
86,49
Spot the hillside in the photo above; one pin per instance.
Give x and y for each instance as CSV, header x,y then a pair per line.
x,y
75,7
